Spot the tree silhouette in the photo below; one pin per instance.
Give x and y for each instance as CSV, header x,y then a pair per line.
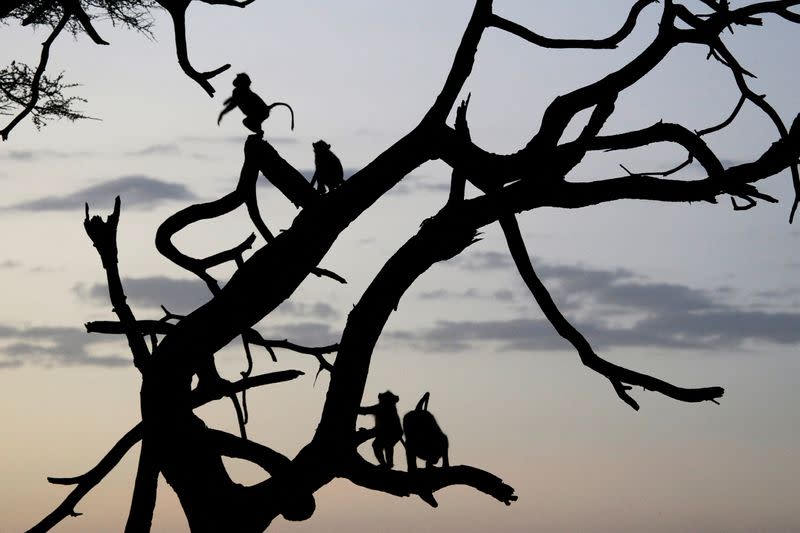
x,y
169,351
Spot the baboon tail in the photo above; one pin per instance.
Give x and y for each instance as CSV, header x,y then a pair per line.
x,y
422,404
291,111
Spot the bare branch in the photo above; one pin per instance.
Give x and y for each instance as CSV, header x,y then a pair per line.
x,y
546,42
616,374
425,482
660,132
725,123
462,63
104,238
563,108
87,481
177,10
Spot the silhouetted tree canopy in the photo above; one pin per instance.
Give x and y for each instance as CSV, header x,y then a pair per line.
x,y
169,351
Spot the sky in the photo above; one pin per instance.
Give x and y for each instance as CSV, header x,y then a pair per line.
x,y
699,295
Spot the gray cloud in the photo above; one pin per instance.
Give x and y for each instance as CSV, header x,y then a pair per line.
x,y
319,310
8,264
305,333
178,295
483,261
234,139
614,308
181,296
135,191
701,331
53,346
38,155
156,149
444,294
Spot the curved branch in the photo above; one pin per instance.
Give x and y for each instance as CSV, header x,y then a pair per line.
x,y
189,215
177,11
619,376
725,123
660,132
546,42
563,108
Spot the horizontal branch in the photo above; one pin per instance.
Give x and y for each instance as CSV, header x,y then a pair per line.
x,y
223,389
547,42
424,482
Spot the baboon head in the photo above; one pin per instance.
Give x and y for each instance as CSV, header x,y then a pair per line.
x,y
387,399
241,80
320,147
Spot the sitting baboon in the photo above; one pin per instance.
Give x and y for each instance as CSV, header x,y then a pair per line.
x,y
387,427
423,437
329,172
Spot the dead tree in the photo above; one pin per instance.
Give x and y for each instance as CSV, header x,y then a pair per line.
x,y
176,443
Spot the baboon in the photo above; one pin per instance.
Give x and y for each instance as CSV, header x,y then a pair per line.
x,y
329,172
254,108
387,427
423,437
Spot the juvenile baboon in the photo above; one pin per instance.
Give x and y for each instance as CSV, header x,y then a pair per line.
x,y
387,427
329,172
254,108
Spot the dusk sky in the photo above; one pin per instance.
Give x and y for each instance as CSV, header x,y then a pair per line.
x,y
696,294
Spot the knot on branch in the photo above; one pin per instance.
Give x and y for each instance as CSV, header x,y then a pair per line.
x,y
103,233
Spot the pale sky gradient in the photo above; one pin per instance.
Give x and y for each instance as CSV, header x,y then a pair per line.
x,y
696,294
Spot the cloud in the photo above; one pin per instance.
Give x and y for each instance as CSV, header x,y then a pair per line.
x,y
53,346
156,149
613,309
178,295
699,331
305,333
483,261
319,310
135,191
9,264
444,294
38,155
181,296
234,139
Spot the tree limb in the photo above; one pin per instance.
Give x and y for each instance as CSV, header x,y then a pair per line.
x,y
424,482
618,375
546,42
